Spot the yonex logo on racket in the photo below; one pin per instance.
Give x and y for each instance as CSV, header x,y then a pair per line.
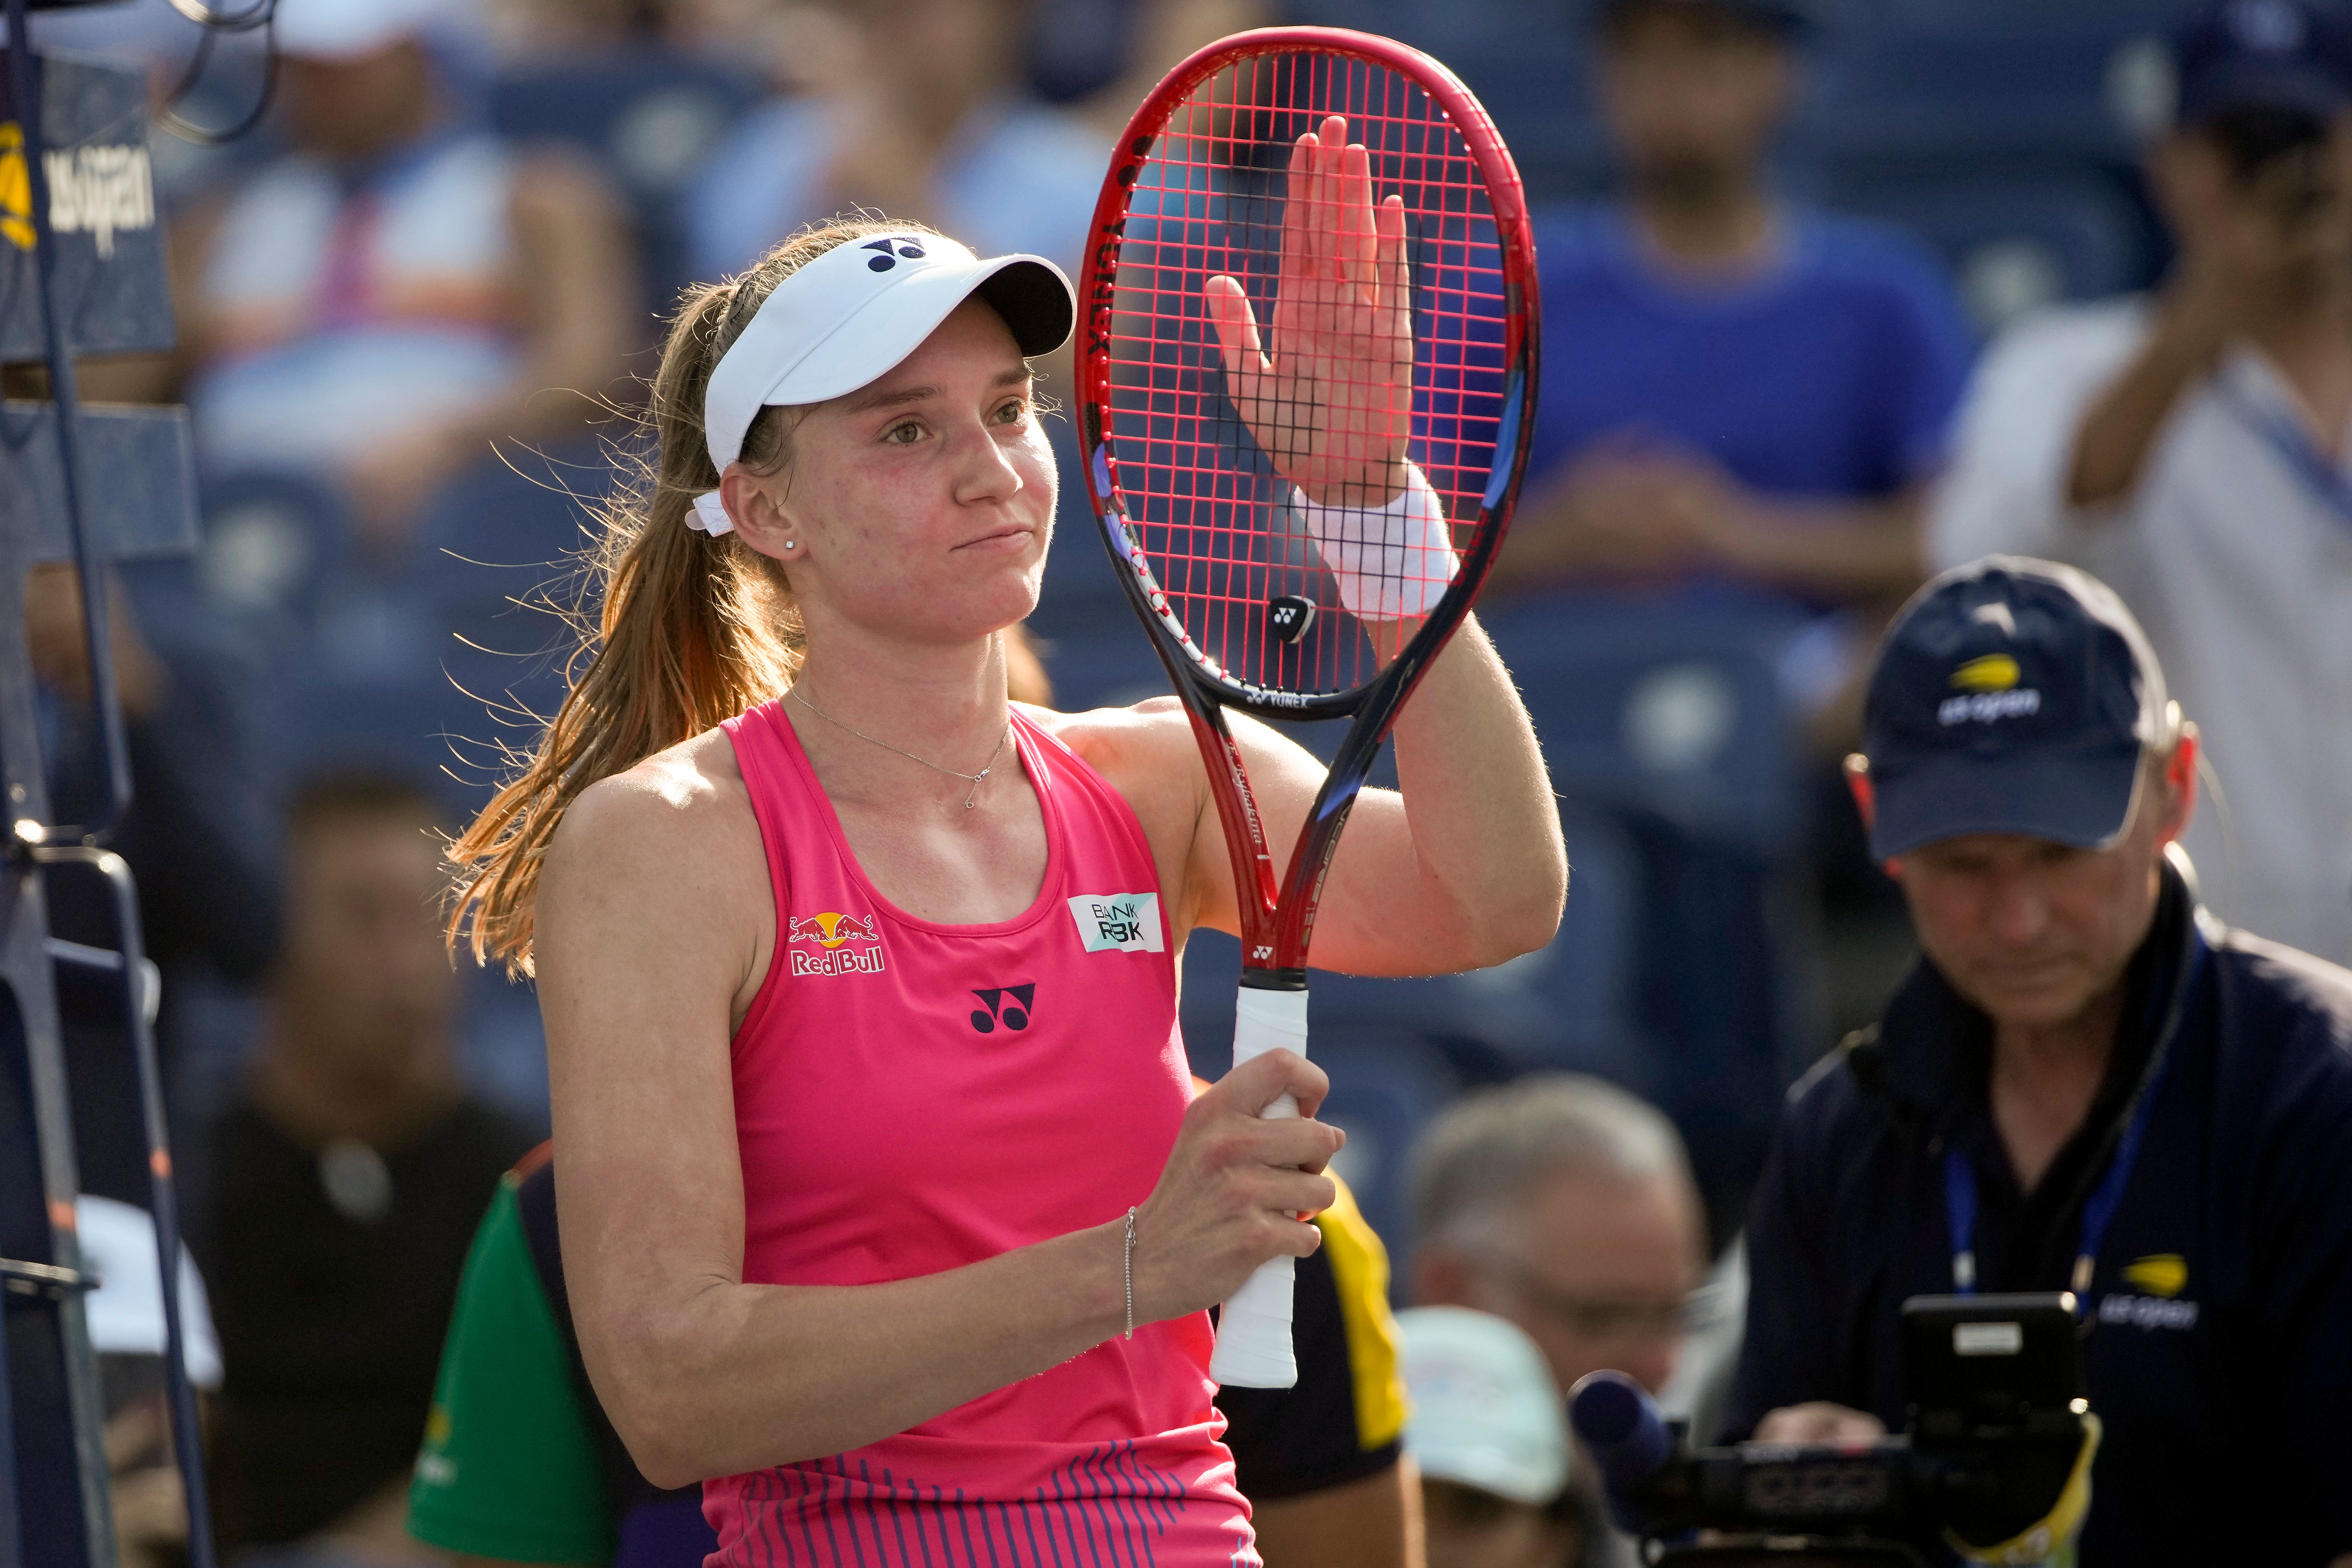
x,y
1118,922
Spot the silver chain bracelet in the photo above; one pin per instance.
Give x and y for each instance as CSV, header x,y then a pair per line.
x,y
1127,1268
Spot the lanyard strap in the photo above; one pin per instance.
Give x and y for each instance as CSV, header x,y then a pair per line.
x,y
2099,1208
2292,442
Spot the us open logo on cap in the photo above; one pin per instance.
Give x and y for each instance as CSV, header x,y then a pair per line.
x,y
1989,692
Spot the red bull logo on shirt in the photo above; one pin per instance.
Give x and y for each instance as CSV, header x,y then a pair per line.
x,y
832,934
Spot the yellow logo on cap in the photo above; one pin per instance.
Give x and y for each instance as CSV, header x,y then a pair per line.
x,y
1993,672
15,187
2159,1274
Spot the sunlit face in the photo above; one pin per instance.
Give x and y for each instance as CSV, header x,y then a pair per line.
x,y
1598,1274
920,507
1688,92
2034,932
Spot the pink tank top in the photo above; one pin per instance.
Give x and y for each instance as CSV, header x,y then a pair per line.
x,y
913,1096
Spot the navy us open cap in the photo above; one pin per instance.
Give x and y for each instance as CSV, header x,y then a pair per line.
x,y
2009,696
2263,53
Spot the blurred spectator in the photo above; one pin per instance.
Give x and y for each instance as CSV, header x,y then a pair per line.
x,y
399,290
914,107
1489,1432
1565,1205
1742,402
2190,450
1734,386
346,1184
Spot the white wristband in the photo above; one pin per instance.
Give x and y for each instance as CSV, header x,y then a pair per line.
x,y
1390,560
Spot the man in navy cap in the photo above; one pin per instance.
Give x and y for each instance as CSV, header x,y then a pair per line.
x,y
2085,1085
2190,450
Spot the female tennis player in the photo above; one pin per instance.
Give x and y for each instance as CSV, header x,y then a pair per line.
x,y
884,1211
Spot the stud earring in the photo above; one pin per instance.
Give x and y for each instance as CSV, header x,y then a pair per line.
x,y
792,544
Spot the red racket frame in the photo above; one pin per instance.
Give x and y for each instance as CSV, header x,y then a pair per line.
x,y
1278,917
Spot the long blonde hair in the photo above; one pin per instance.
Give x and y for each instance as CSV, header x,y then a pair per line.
x,y
692,629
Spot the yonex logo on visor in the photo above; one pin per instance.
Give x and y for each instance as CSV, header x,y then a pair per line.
x,y
883,263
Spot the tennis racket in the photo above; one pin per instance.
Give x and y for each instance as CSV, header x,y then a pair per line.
x,y
1306,368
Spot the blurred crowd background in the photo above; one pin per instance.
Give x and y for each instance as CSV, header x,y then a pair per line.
x,y
413,305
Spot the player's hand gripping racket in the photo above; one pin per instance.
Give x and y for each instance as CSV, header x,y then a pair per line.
x,y
1306,374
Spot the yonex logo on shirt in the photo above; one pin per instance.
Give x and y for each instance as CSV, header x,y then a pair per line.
x,y
1118,922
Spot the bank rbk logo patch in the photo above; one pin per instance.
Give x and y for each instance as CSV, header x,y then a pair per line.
x,y
1118,922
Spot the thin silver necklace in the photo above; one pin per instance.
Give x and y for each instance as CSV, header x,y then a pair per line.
x,y
795,693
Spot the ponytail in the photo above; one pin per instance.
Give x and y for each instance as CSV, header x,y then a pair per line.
x,y
692,629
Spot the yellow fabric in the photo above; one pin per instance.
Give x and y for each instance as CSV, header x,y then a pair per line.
x,y
2050,1543
1360,1268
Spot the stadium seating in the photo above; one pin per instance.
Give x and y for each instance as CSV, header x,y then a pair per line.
x,y
649,117
422,662
1664,716
2005,131
416,660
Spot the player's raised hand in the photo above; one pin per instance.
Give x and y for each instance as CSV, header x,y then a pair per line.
x,y
1330,399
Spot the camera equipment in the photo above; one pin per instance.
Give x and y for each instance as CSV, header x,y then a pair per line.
x,y
1997,1435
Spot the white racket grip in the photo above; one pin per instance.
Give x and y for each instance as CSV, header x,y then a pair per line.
x,y
1254,1326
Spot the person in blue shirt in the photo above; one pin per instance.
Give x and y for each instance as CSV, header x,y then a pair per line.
x,y
1732,386
2087,1085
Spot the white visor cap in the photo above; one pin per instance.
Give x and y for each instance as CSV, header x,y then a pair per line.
x,y
848,317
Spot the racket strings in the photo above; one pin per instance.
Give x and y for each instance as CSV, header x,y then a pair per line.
x,y
1265,587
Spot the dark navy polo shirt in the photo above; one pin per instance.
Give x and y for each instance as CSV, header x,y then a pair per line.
x,y
2219,1349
